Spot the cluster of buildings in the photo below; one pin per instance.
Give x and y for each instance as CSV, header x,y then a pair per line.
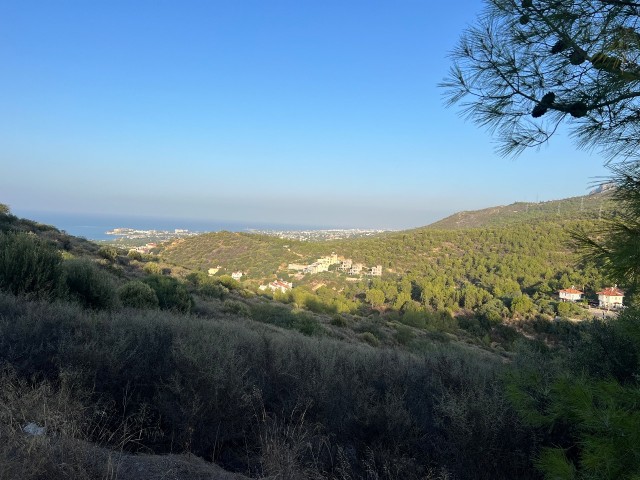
x,y
351,268
610,297
235,275
144,248
322,264
277,286
346,265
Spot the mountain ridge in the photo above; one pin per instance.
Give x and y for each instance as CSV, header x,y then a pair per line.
x,y
593,206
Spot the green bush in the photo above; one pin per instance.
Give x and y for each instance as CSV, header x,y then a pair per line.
x,y
307,324
212,289
338,321
229,282
29,266
414,319
172,295
236,307
135,255
108,253
136,294
564,309
274,314
370,338
397,414
152,268
89,285
404,335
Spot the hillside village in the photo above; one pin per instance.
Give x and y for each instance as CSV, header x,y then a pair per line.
x,y
322,264
610,298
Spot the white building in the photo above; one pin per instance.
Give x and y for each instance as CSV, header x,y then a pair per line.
x,y
610,297
236,275
345,266
570,294
280,285
356,268
376,271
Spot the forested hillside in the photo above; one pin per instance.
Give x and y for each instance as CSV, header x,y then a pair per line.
x,y
510,266
594,206
112,354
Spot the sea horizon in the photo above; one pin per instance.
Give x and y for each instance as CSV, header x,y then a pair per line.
x,y
96,226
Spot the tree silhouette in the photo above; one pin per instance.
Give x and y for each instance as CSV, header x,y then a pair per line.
x,y
528,66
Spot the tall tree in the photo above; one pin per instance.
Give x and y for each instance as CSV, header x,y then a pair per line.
x,y
528,66
616,244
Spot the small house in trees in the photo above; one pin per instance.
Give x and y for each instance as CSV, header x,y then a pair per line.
x,y
376,271
345,266
214,270
281,285
610,297
236,275
356,269
570,294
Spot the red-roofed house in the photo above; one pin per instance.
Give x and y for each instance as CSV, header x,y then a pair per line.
x,y
610,297
570,294
281,285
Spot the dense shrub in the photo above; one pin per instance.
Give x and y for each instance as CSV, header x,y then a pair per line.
x,y
91,286
284,317
609,350
152,268
28,265
136,294
135,255
235,390
212,289
370,338
172,295
237,308
228,282
108,253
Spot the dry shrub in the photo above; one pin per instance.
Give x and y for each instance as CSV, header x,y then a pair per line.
x,y
291,448
42,457
64,449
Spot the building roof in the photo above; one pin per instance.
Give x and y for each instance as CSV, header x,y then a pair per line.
x,y
612,292
571,290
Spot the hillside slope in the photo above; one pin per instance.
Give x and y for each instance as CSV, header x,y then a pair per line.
x,y
587,207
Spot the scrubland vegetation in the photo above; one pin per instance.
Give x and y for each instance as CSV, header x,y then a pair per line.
x,y
495,265
99,352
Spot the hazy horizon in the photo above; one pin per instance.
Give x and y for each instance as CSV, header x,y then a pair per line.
x,y
287,113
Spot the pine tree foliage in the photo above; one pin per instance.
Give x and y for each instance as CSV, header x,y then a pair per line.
x,y
615,244
528,66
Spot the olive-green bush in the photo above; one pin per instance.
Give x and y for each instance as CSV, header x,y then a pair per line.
x,y
89,285
137,294
29,265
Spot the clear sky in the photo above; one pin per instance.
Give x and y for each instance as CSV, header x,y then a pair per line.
x,y
298,112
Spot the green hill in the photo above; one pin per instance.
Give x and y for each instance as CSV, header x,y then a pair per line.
x,y
496,265
587,207
335,382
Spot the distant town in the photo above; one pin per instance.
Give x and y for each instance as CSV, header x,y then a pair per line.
x,y
321,235
135,237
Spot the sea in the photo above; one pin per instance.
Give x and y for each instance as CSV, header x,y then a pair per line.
x,y
96,226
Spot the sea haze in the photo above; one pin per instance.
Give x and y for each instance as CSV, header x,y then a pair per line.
x,y
95,226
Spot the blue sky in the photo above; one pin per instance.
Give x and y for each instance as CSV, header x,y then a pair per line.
x,y
296,112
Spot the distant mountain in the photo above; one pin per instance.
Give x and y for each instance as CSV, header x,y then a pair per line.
x,y
596,205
